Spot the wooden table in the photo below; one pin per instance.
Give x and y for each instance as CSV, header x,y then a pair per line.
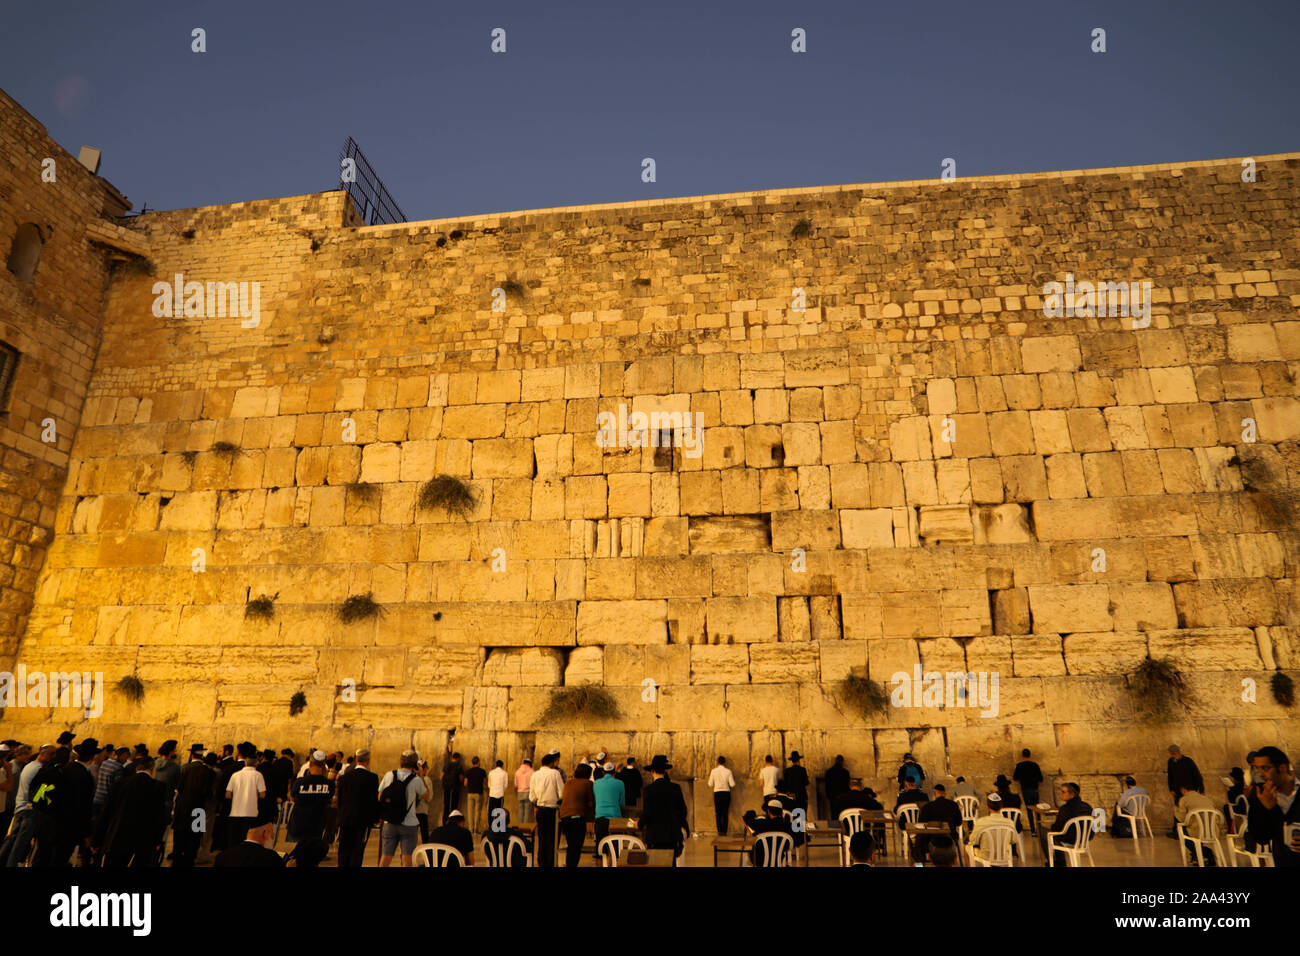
x,y
654,858
812,838
933,829
1043,820
874,818
738,845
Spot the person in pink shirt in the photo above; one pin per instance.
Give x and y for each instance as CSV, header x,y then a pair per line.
x,y
523,778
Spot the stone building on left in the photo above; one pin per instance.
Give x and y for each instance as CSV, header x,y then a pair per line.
x,y
61,236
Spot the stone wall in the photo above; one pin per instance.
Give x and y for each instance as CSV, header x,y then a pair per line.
x,y
825,430
52,320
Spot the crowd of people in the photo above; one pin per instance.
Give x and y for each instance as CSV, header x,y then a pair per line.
x,y
101,805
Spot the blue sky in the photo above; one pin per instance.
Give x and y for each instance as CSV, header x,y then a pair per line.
x,y
585,91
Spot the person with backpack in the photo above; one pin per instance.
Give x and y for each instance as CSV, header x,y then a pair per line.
x,y
398,792
909,769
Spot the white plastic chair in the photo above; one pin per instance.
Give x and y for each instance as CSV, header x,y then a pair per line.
x,y
612,847
908,813
970,808
851,822
1134,810
1261,857
1014,814
778,848
992,846
437,855
1073,842
499,854
1203,828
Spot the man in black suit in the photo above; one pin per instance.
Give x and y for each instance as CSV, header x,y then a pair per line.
x,y
358,792
795,782
72,812
938,810
837,783
194,790
664,816
135,819
632,783
1030,777
858,798
1266,819
1072,806
253,850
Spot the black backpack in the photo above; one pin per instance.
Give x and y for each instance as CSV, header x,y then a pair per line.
x,y
392,802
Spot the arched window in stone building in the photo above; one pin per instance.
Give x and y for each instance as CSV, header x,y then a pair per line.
x,y
25,252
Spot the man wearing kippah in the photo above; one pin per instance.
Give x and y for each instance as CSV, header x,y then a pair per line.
x,y
993,820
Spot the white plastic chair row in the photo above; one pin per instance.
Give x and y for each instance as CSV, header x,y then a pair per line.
x,y
992,846
1203,829
1073,842
437,855
1134,810
499,854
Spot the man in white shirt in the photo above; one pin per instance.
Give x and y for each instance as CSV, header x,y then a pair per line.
x,y
545,790
406,832
245,788
769,776
497,781
723,782
993,821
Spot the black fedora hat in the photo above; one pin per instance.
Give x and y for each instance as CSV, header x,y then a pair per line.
x,y
660,763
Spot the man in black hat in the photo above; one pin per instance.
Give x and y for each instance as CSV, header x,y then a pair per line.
x,y
1008,799
65,739
167,768
74,805
194,791
254,850
135,820
795,782
664,817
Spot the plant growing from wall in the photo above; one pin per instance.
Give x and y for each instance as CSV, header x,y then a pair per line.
x,y
358,607
513,289
225,448
864,695
587,700
189,457
1283,688
297,704
802,229
364,491
1157,687
132,688
448,494
261,608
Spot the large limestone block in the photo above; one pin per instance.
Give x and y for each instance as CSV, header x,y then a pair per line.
x,y
535,666
189,511
586,666
761,707
807,367
1068,608
1091,699
1074,520
965,612
1208,648
731,534
474,421
507,623
447,666
1219,603
661,577
633,664
1001,524
389,707
622,622
793,622
1036,655
838,659
741,620
720,664
946,523
810,530
1146,606
868,528
503,458
1106,653
1049,353
780,663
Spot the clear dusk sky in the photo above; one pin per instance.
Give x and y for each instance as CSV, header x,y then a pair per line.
x,y
585,91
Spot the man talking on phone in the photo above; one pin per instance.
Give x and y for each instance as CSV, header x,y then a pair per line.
x,y
1274,813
